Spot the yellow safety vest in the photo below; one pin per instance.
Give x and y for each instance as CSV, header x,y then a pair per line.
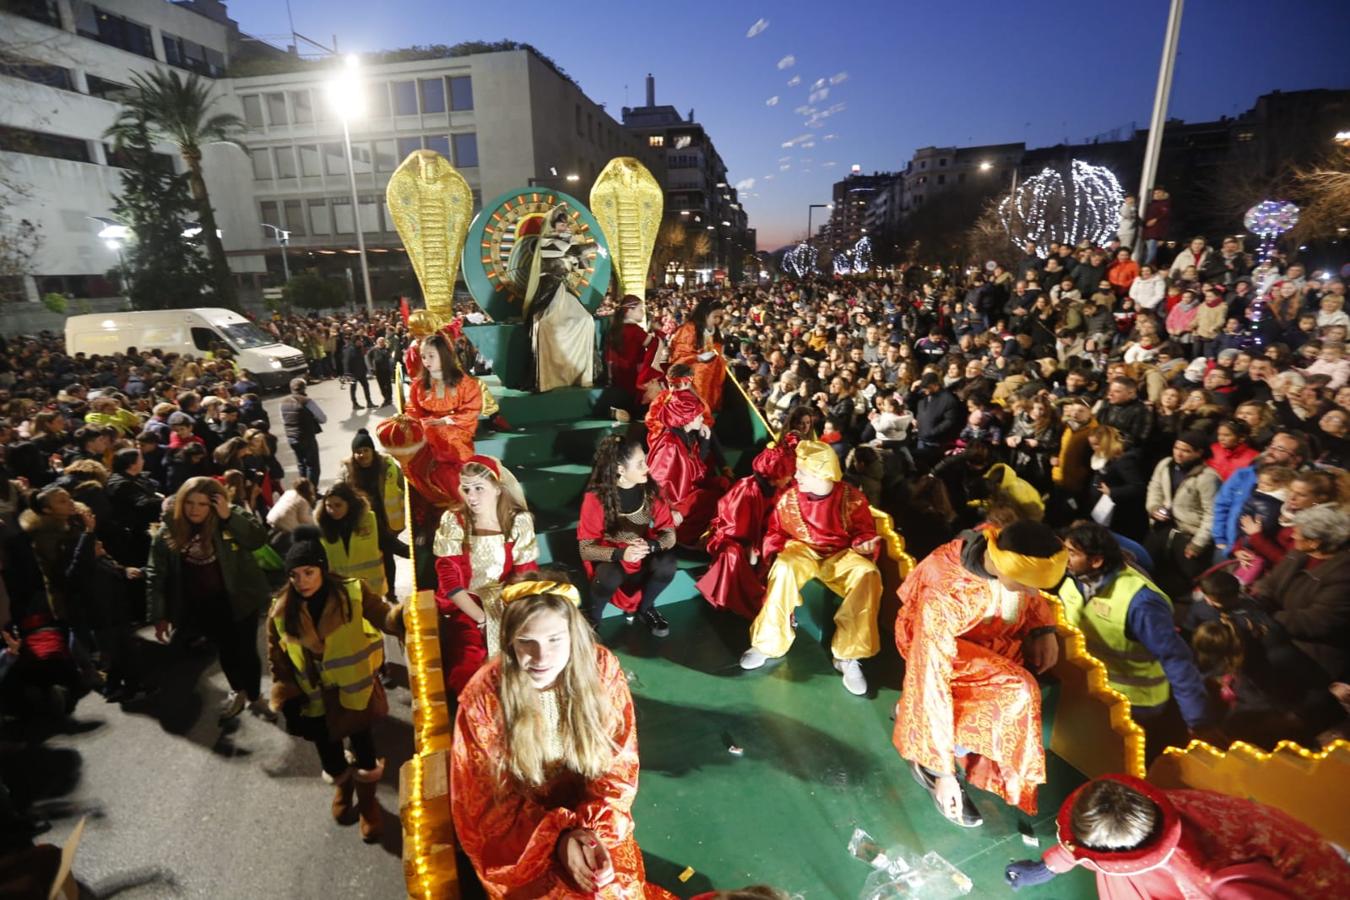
x,y
352,656
1130,667
393,495
362,558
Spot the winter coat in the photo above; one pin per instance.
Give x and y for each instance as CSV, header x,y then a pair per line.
x,y
136,504
62,547
1133,420
1191,504
1148,292
1313,605
1160,213
235,540
1124,476
937,416
1209,320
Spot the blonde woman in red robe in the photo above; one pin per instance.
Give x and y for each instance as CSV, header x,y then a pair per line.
x,y
1144,842
544,765
685,462
732,582
478,545
698,344
447,400
973,628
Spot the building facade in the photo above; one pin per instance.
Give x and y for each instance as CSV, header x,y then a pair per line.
x,y
851,198
698,191
505,119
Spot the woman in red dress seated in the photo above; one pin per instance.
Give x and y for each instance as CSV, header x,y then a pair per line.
x,y
544,766
685,462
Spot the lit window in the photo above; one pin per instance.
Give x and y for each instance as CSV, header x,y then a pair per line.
x,y
656,140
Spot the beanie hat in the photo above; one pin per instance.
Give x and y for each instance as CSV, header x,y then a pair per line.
x,y
306,549
1195,439
179,418
362,440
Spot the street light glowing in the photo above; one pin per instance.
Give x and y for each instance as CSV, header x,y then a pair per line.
x,y
111,233
574,177
986,166
344,90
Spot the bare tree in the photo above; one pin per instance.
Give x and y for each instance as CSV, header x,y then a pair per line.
x,y
987,238
1323,191
670,241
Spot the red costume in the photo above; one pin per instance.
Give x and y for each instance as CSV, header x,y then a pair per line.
x,y
1208,845
630,364
961,638
597,543
510,833
732,581
479,564
653,420
462,403
686,345
680,463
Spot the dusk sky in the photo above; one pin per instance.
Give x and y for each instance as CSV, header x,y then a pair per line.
x,y
900,75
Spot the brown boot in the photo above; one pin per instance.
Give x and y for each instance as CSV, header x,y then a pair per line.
x,y
342,798
372,818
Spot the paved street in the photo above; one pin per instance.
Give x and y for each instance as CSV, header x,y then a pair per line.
x,y
181,807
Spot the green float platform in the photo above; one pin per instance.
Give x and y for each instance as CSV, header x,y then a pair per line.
x,y
816,762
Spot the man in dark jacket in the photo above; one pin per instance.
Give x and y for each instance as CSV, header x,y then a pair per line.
x,y
302,418
381,364
937,415
1126,413
1091,273
354,367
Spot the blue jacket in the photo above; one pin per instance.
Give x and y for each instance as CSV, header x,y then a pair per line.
x,y
1233,493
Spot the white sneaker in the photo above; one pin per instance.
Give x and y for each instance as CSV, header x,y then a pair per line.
x,y
752,659
234,704
854,682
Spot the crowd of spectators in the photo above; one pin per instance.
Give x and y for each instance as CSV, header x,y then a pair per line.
x,y
1197,407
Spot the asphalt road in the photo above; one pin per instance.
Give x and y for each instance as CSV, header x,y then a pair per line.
x,y
179,806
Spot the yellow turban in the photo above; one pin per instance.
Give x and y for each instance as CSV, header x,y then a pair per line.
x,y
817,458
522,589
1033,571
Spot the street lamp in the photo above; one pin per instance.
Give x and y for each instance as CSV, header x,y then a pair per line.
x,y
986,166
348,101
809,211
114,235
283,238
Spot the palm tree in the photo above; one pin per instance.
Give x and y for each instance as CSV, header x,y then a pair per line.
x,y
177,110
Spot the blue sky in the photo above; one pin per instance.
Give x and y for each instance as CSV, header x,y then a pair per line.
x,y
900,75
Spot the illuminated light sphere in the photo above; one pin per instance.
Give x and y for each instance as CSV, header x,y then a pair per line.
x,y
1049,207
800,261
1271,218
856,260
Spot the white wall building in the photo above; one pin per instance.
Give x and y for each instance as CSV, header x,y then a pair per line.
x,y
503,118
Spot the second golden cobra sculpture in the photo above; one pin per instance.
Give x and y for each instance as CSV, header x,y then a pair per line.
x,y
432,206
628,202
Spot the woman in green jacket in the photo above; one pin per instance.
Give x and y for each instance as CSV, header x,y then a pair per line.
x,y
202,575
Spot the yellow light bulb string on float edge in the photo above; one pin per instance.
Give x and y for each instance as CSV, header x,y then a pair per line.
x,y
417,671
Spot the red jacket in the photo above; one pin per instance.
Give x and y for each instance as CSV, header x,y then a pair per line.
x,y
1226,462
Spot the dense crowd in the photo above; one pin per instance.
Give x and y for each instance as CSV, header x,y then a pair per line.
x,y
1163,446
1196,408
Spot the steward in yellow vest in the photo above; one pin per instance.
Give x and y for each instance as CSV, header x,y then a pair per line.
x,y
379,477
1128,625
325,648
351,536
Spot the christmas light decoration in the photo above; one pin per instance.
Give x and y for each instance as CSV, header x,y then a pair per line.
x,y
856,261
1050,208
800,261
1267,220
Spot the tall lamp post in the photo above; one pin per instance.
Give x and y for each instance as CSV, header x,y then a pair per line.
x,y
283,238
1158,121
348,101
809,211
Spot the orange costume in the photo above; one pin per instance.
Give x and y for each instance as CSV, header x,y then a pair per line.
x,y
965,685
461,404
685,347
511,836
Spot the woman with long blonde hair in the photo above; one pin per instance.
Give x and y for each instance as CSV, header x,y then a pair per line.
x,y
544,763
202,574
478,544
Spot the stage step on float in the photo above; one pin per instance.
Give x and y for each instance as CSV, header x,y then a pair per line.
x,y
545,443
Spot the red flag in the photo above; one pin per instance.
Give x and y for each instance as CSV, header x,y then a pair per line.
x,y
403,308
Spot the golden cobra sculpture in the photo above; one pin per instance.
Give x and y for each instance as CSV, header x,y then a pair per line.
x,y
628,203
432,206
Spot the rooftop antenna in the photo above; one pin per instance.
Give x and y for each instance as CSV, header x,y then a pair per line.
x,y
290,18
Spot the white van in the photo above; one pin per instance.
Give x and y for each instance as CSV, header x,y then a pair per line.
x,y
187,331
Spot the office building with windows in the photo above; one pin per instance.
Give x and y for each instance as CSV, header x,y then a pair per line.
x,y
505,118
